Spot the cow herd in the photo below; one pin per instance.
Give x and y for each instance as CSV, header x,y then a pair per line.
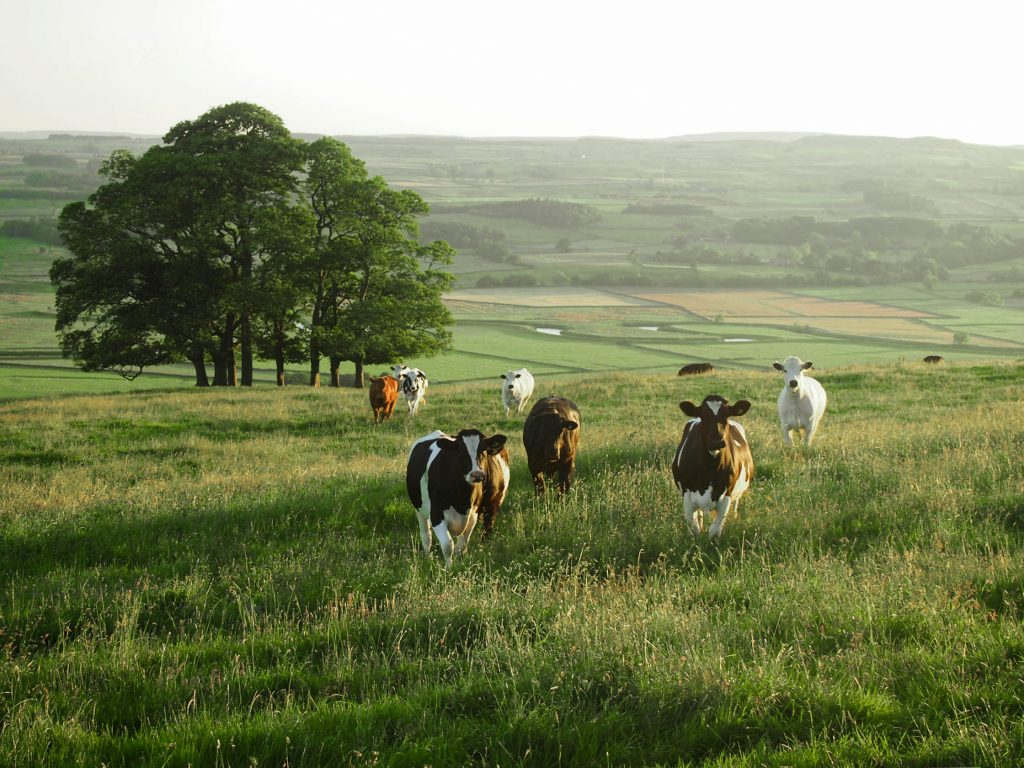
x,y
454,481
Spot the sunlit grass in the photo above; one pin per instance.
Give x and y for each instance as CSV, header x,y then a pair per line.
x,y
234,577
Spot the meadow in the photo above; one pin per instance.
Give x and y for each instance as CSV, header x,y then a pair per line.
x,y
234,577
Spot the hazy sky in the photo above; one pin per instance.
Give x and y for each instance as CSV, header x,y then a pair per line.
x,y
637,68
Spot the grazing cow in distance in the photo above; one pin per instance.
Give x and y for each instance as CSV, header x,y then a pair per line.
x,y
801,402
933,358
413,383
516,389
450,480
693,368
551,435
713,465
383,396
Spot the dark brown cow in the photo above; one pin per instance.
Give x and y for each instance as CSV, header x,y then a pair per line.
x,y
933,359
713,465
693,368
383,396
551,435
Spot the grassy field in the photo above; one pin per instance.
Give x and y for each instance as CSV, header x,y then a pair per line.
x,y
233,578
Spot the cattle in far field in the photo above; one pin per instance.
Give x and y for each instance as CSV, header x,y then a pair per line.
x,y
516,389
453,480
551,435
413,383
713,466
383,396
801,402
933,358
691,369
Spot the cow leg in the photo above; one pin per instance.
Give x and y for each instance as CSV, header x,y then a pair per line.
x,y
426,537
565,474
463,540
721,512
538,482
693,514
786,439
444,539
809,434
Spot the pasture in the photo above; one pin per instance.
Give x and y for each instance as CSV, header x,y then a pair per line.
x,y
231,577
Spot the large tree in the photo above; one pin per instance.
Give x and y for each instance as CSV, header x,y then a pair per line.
x,y
233,237
377,291
166,256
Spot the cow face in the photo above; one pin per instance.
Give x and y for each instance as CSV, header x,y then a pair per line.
x,y
472,446
398,371
551,427
510,380
714,414
412,380
792,372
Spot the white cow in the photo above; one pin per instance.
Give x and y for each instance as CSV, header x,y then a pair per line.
x,y
801,401
412,383
516,389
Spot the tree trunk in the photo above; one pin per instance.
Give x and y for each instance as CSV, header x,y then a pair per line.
x,y
335,371
199,363
246,349
314,363
279,359
358,383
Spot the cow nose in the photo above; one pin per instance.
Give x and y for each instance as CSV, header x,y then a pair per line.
x,y
476,476
793,383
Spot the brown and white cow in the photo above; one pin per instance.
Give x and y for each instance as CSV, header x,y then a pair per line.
x,y
551,435
452,479
383,396
713,465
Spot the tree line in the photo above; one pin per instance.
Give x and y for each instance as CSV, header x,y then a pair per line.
x,y
233,241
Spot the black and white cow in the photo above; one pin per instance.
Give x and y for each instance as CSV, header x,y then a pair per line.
x,y
412,383
450,480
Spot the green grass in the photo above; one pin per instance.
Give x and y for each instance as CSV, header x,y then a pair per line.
x,y
233,578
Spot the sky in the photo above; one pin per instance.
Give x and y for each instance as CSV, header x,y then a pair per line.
x,y
478,68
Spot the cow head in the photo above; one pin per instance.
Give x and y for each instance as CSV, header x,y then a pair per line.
x,y
714,414
510,380
412,380
792,372
550,427
472,446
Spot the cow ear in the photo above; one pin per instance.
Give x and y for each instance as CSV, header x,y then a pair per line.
x,y
689,409
739,408
806,365
778,366
494,444
421,375
570,425
447,443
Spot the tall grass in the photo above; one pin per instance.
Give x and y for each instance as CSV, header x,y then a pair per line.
x,y
232,578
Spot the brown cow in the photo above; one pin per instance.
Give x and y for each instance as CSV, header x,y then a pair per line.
x,y
383,396
551,436
713,465
692,368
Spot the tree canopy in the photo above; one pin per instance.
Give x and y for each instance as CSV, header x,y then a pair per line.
x,y
232,239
